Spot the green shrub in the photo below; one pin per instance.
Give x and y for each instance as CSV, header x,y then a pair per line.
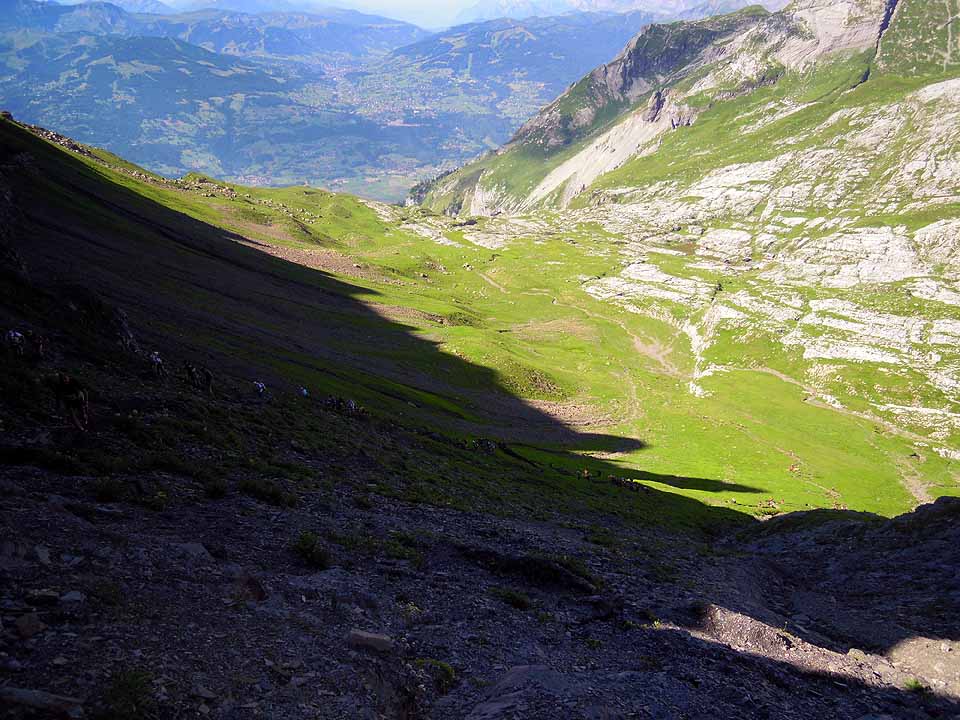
x,y
444,676
403,546
309,547
130,695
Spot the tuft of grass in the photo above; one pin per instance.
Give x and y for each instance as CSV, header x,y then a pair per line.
x,y
309,547
130,695
603,538
462,319
444,676
258,217
403,546
914,685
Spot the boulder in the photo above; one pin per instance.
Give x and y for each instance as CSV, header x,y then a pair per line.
x,y
370,641
29,625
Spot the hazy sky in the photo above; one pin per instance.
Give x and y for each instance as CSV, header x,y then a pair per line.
x,y
427,13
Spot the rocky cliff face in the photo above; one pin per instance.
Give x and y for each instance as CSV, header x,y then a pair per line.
x,y
651,60
665,78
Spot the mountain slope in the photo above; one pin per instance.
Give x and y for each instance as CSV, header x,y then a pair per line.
x,y
664,79
785,202
99,17
368,105
480,491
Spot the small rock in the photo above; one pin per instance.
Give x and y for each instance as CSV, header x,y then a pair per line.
x,y
202,692
250,588
370,641
42,554
29,625
195,551
74,596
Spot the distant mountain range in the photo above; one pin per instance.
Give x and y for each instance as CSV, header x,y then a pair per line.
x,y
336,98
305,36
662,9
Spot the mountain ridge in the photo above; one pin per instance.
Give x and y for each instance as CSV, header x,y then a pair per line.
x,y
521,9
791,41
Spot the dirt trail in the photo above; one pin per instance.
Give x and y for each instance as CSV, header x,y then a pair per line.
x,y
652,349
913,482
493,283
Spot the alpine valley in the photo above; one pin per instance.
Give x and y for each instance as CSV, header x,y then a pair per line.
x,y
650,410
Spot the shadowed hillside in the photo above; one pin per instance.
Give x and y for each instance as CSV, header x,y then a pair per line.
x,y
199,293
